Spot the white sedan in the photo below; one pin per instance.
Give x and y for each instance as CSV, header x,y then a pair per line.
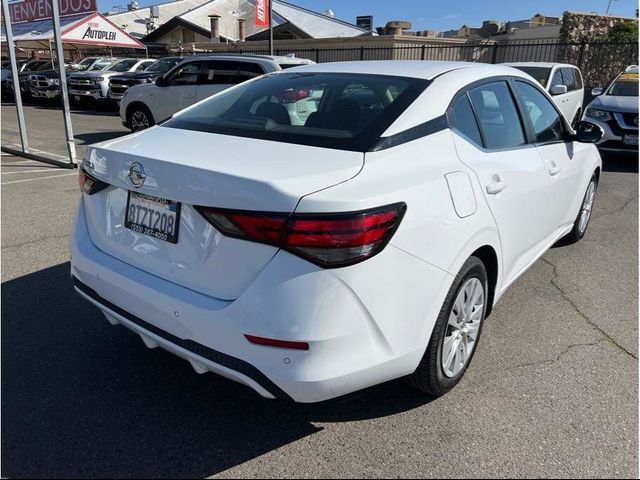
x,y
370,243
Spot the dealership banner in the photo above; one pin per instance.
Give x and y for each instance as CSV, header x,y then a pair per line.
x,y
98,30
262,13
30,10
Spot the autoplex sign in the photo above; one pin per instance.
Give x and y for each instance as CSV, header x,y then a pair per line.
x,y
30,10
98,30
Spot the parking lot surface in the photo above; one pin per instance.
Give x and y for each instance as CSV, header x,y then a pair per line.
x,y
552,390
45,128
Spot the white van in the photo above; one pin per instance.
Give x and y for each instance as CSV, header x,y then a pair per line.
x,y
562,81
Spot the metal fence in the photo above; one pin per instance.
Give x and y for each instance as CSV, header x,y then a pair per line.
x,y
598,61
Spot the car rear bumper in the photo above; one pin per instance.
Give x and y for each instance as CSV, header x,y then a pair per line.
x,y
290,300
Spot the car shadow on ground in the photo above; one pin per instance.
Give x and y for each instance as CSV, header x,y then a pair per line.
x,y
95,137
612,163
84,399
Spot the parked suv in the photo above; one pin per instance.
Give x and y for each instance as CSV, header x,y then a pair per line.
x,y
191,81
94,85
615,110
562,81
46,83
118,84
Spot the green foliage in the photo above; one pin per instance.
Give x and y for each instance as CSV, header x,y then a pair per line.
x,y
621,32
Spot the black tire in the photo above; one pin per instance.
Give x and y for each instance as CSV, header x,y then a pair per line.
x,y
430,376
578,230
139,118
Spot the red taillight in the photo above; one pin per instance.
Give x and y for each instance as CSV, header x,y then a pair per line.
x,y
328,240
292,96
272,342
89,184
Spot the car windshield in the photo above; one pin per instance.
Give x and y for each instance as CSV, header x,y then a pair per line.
x,y
541,74
626,85
84,64
333,110
163,65
122,66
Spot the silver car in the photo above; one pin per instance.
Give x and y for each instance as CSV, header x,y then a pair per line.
x,y
615,110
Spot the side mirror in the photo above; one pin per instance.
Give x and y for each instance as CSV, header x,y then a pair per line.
x,y
597,91
587,132
161,82
558,90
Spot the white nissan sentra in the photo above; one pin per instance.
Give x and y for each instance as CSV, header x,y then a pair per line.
x,y
313,232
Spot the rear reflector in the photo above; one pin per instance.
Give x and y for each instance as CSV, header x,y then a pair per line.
x,y
329,240
271,342
89,184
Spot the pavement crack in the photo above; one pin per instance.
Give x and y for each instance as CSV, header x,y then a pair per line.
x,y
30,242
617,210
584,316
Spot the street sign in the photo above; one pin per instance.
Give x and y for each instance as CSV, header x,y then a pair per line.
x,y
30,10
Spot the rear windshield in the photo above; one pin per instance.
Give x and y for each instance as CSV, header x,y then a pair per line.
x,y
626,85
541,74
333,110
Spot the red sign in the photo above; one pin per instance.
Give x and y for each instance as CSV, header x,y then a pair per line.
x,y
30,10
262,13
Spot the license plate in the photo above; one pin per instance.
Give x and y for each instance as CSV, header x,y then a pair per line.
x,y
153,216
630,140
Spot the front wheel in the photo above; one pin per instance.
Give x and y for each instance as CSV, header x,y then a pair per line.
x,y
456,332
584,215
140,118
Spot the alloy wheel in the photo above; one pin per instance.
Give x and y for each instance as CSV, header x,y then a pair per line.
x,y
139,121
587,206
463,327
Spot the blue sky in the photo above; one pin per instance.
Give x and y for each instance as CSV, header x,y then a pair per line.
x,y
441,14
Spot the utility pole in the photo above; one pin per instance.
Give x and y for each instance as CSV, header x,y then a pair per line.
x,y
270,27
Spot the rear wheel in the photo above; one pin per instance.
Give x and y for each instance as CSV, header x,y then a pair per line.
x,y
456,332
140,118
584,215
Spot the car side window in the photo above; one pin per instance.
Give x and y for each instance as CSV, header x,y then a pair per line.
x,y
218,72
498,116
557,79
186,74
143,66
462,119
543,117
572,79
569,78
248,70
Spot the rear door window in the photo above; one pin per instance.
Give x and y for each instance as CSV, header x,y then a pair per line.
x,y
498,116
224,72
462,119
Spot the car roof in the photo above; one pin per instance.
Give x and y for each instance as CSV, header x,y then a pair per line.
x,y
425,69
539,64
248,57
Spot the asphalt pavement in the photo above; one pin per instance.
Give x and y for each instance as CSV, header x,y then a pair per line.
x,y
551,392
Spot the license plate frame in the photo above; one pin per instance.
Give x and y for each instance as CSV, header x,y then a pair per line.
x,y
630,140
148,224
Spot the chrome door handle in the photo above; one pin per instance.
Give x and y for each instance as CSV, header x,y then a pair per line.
x,y
554,170
496,185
